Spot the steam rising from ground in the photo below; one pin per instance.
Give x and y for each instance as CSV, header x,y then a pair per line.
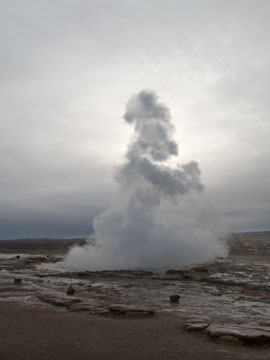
x,y
158,218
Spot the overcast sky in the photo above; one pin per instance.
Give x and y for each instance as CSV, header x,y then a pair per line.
x,y
67,70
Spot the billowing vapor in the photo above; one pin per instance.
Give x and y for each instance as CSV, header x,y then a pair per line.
x,y
158,218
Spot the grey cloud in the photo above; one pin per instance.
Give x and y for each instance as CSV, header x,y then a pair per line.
x,y
67,68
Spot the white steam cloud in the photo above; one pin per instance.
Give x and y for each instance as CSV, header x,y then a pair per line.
x,y
158,218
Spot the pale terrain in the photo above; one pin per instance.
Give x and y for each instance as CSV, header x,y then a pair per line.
x,y
127,314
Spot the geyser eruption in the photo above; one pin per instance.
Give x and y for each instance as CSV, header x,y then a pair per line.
x,y
158,218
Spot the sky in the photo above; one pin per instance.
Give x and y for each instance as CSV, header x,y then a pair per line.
x,y
68,69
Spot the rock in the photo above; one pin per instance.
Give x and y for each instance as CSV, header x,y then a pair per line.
x,y
70,290
201,269
229,338
171,272
57,299
187,277
99,311
81,274
196,326
17,281
82,306
174,298
130,310
176,274
239,331
18,257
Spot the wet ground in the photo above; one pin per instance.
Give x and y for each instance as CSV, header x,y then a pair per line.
x,y
225,297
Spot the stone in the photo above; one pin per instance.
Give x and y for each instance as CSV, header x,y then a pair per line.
x,y
174,298
196,326
57,299
176,274
239,331
82,306
99,311
130,310
171,272
70,290
229,338
17,281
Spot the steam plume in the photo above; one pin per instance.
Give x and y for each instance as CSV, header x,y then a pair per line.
x,y
158,218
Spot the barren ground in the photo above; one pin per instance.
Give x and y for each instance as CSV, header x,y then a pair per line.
x,y
233,291
42,334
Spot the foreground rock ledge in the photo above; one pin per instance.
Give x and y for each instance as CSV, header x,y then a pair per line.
x,y
246,332
196,325
57,299
256,333
131,310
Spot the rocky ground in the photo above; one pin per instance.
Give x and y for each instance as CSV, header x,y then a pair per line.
x,y
227,298
48,334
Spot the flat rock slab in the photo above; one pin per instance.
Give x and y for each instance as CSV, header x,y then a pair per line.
x,y
131,310
239,331
99,311
90,308
196,326
81,306
57,299
12,288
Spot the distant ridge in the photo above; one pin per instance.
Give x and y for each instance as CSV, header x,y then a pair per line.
x,y
250,244
256,243
41,245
